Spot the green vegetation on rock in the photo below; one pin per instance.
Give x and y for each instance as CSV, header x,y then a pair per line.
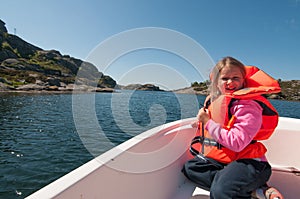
x,y
23,64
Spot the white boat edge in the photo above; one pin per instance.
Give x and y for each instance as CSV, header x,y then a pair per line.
x,y
139,169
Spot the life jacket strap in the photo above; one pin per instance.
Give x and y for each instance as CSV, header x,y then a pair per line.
x,y
203,141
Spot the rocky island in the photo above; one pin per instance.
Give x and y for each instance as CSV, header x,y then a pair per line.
x,y
142,87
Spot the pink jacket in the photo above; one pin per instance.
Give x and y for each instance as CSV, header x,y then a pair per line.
x,y
248,121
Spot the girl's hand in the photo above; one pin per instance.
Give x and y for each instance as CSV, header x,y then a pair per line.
x,y
203,116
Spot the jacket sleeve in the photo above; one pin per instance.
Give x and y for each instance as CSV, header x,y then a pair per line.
x,y
248,121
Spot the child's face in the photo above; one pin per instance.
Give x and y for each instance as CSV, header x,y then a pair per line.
x,y
230,79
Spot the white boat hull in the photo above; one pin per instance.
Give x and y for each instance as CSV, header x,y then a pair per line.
x,y
148,166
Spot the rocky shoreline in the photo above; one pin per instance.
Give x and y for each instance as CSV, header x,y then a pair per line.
x,y
290,89
70,88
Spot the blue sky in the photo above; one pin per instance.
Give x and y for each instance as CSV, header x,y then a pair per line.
x,y
265,33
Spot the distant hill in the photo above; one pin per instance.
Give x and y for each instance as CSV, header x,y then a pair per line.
x,y
24,66
142,87
290,90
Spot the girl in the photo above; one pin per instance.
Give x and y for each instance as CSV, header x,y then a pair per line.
x,y
232,126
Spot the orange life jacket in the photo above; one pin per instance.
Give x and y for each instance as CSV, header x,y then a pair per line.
x,y
257,83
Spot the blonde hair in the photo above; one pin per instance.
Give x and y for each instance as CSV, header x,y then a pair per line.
x,y
214,76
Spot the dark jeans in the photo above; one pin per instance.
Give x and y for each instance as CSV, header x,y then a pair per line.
x,y
235,180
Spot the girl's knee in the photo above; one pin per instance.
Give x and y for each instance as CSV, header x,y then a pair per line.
x,y
224,191
218,191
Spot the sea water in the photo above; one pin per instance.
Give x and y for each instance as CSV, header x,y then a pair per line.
x,y
45,136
